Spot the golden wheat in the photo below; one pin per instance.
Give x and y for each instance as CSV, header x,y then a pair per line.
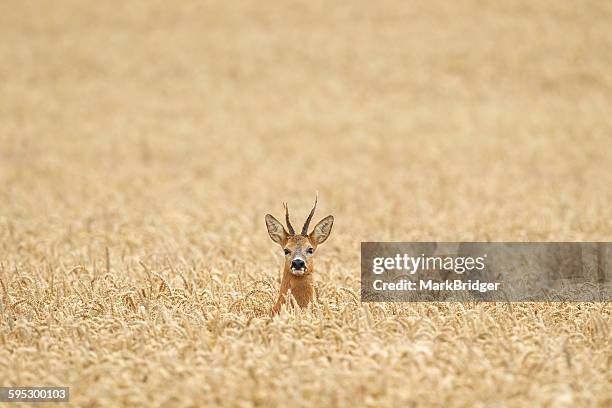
x,y
141,145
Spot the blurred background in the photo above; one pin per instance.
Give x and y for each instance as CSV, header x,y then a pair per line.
x,y
463,120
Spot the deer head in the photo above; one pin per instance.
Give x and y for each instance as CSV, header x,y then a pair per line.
x,y
299,250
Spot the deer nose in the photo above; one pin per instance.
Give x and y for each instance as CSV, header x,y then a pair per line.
x,y
298,264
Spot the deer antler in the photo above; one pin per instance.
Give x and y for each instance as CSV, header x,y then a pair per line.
x,y
291,230
307,223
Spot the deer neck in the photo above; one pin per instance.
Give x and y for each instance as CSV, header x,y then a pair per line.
x,y
301,286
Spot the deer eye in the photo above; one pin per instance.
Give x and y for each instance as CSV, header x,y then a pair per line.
x,y
310,250
287,252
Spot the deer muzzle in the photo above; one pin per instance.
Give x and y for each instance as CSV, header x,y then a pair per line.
x,y
298,267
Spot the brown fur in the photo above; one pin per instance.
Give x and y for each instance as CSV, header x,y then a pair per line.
x,y
302,286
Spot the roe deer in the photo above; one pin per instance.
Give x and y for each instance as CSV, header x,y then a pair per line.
x,y
299,253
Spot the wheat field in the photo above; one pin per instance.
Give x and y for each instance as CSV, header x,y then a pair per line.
x,y
142,143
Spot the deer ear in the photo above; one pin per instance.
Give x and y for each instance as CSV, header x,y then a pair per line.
x,y
322,230
276,230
